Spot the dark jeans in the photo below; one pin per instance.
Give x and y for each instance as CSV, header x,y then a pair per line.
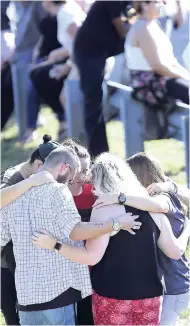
x,y
48,89
178,89
7,102
91,72
8,297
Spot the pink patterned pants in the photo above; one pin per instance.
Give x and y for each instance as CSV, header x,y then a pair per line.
x,y
108,311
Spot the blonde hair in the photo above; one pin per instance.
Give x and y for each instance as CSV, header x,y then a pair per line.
x,y
110,174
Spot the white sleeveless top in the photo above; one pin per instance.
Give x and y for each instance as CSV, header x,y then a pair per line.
x,y
134,55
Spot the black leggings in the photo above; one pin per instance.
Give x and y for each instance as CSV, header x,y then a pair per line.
x,y
6,95
178,89
8,297
49,89
84,312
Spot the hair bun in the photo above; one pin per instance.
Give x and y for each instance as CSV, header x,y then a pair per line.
x,y
46,138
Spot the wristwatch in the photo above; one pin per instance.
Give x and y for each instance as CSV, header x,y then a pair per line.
x,y
57,247
122,199
116,225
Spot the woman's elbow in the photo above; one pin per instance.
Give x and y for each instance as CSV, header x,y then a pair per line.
x,y
76,235
175,254
87,259
73,236
94,260
157,67
161,207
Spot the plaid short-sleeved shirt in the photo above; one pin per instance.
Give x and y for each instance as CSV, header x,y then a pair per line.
x,y
42,275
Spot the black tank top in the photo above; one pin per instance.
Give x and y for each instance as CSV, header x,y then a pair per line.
x,y
129,268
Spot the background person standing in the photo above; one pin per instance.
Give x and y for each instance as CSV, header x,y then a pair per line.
x,y
7,50
27,16
101,36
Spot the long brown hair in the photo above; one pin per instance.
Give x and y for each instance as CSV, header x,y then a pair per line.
x,y
146,168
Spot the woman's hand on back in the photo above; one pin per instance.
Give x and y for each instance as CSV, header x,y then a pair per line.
x,y
40,178
128,222
44,240
157,188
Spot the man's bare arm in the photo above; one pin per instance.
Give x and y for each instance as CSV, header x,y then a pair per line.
x,y
11,193
90,230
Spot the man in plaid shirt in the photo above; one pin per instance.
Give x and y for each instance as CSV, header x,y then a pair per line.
x,y
48,284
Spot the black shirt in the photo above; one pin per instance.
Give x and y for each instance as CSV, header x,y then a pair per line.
x,y
98,35
66,298
48,30
129,268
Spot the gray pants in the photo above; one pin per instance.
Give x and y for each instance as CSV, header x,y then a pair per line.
x,y
20,77
173,306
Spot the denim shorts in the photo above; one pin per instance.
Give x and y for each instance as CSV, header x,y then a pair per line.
x,y
173,306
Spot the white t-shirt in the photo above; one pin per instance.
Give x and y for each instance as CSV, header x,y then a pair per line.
x,y
68,14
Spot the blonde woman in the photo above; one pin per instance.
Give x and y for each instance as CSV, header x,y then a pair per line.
x,y
127,287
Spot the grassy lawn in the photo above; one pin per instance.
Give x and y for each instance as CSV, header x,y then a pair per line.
x,y
169,152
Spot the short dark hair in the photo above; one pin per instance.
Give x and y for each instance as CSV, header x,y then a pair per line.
x,y
35,156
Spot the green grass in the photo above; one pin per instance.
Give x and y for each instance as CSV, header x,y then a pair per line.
x,y
169,152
